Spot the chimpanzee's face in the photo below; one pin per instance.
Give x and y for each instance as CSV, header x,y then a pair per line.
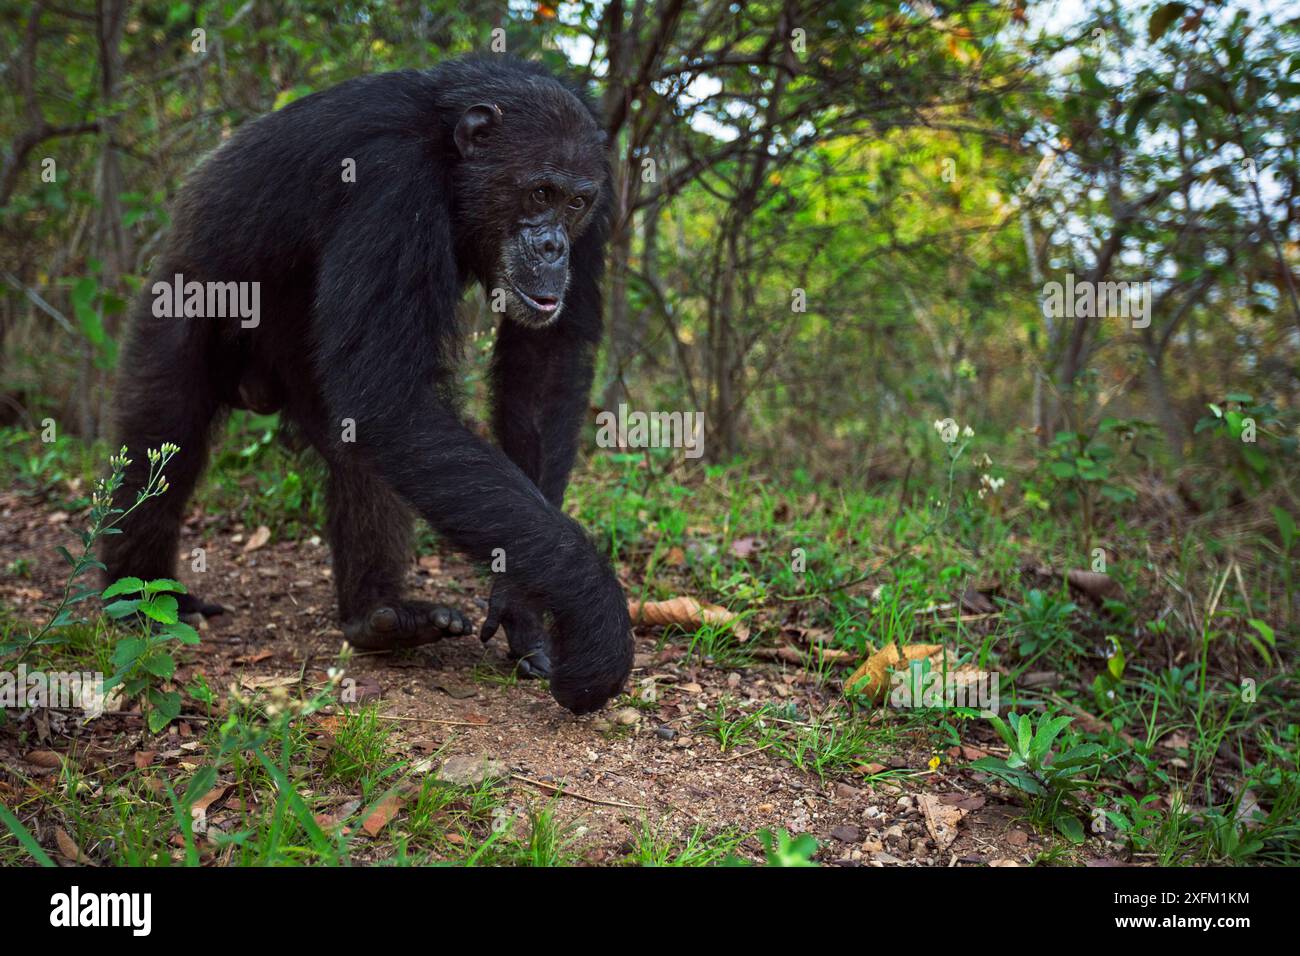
x,y
554,208
535,185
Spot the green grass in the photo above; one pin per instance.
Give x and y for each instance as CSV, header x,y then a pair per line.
x,y
1193,701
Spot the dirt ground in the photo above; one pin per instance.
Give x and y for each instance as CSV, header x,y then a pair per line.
x,y
661,765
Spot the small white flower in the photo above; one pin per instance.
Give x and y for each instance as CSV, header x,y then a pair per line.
x,y
967,432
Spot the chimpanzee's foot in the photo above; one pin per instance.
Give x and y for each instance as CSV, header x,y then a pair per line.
x,y
189,604
398,624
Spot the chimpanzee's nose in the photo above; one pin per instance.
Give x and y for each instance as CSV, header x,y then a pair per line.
x,y
551,244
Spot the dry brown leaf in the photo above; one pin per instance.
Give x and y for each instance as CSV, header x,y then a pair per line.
x,y
382,814
69,850
742,547
871,679
941,819
1096,585
208,799
45,758
264,681
257,539
685,612
143,758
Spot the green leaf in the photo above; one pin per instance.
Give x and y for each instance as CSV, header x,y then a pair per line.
x,y
24,837
162,609
159,585
1266,632
1048,729
120,609
1077,756
160,664
1025,734
1141,107
1070,827
182,632
123,586
1000,726
164,708
1285,526
128,651
1163,19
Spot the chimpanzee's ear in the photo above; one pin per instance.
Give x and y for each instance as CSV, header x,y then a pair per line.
x,y
477,118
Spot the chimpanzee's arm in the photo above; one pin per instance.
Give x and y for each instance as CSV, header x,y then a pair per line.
x,y
541,378
386,295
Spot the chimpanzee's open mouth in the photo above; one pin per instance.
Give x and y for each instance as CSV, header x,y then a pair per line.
x,y
542,303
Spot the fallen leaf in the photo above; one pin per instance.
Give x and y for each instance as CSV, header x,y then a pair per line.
x,y
257,539
874,670
941,819
143,758
201,805
69,850
1097,586
264,681
453,690
382,814
45,758
327,820
431,563
742,547
685,612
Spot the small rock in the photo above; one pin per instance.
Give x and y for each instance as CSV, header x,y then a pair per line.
x,y
467,771
665,733
846,834
844,792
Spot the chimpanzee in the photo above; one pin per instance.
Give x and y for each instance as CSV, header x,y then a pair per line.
x,y
363,212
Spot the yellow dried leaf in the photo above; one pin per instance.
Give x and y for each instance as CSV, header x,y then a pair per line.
x,y
871,679
684,612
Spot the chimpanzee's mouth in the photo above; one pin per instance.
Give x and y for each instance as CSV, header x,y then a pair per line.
x,y
541,303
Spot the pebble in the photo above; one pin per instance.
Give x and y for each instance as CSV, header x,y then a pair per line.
x,y
472,771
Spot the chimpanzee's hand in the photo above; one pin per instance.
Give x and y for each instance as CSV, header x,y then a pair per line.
x,y
525,631
591,645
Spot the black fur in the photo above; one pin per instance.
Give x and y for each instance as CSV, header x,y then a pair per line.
x,y
359,285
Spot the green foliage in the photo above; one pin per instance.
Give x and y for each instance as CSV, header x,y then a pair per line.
x,y
782,849
143,662
1049,778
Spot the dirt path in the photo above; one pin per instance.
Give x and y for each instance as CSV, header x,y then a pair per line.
x,y
663,767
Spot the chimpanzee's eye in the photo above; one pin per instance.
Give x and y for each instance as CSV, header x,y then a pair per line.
x,y
577,202
541,195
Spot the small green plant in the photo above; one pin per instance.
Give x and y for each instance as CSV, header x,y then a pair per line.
x,y
1078,468
782,849
104,518
1049,778
1041,622
143,662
